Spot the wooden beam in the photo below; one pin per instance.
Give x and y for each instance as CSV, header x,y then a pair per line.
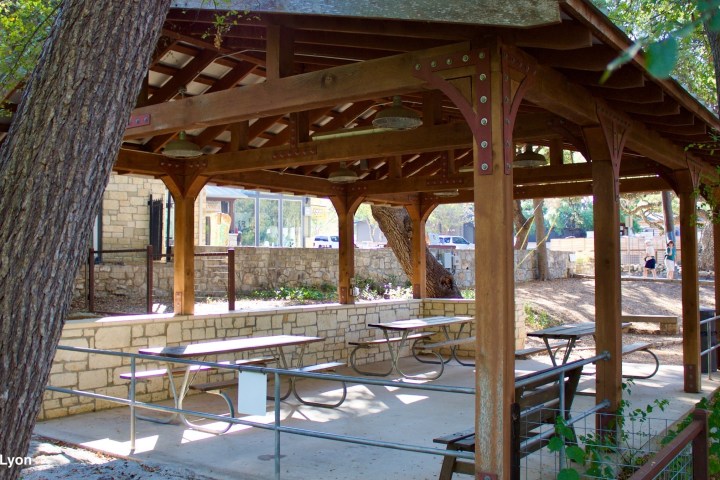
x,y
593,59
585,188
667,107
553,91
183,77
563,36
333,86
331,150
282,182
650,93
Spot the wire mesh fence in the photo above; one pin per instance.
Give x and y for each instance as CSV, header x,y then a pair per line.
x,y
625,443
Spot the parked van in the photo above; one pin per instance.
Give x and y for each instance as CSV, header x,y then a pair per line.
x,y
459,242
326,241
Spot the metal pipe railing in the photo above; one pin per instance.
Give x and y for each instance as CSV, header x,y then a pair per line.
x,y
278,428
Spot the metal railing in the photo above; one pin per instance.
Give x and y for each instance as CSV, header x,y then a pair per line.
x,y
695,434
713,345
149,257
276,426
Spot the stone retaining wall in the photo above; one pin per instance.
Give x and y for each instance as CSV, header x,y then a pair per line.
x,y
264,268
338,324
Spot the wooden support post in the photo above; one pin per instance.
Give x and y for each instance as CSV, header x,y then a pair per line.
x,y
345,208
488,99
184,187
419,214
149,279
686,183
494,269
184,265
231,279
605,144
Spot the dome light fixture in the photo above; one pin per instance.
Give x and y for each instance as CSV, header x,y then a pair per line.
x,y
397,117
343,175
529,158
181,147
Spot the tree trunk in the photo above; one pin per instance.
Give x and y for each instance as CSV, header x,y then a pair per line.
x,y
395,223
54,166
541,244
522,226
668,213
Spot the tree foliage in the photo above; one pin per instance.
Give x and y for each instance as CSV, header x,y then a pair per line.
x,y
24,26
672,34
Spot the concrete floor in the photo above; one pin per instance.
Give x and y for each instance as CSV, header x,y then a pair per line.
x,y
391,414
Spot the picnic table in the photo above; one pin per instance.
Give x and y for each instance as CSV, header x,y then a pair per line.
x,y
276,344
568,333
415,329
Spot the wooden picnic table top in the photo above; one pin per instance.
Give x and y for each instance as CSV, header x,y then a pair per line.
x,y
420,323
229,346
568,331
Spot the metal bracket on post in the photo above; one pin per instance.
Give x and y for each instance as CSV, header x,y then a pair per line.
x,y
478,118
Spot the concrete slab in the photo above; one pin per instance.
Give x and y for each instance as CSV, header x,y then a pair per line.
x,y
386,413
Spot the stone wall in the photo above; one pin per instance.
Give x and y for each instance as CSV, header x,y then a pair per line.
x,y
338,324
263,268
126,215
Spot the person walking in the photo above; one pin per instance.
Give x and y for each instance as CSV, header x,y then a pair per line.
x,y
649,260
670,253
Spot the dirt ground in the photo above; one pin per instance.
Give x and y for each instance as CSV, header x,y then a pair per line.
x,y
573,301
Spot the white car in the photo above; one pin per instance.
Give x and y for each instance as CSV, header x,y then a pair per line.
x,y
459,242
326,241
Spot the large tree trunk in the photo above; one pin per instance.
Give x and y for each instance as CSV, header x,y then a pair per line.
x,y
396,224
54,166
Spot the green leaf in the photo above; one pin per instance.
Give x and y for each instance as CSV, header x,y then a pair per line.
x,y
662,57
576,454
555,444
568,474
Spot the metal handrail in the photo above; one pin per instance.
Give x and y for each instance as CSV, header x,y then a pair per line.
x,y
277,372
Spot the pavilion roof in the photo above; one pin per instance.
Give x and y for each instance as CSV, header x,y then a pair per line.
x,y
258,137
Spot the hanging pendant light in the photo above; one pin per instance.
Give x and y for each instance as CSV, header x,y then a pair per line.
x,y
397,117
181,147
529,158
343,175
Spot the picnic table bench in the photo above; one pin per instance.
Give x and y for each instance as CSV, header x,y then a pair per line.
x,y
414,329
536,407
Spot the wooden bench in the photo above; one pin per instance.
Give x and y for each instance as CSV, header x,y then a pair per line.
x,y
364,344
668,323
641,347
535,409
526,352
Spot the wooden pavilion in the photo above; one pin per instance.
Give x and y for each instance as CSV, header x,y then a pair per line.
x,y
285,96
